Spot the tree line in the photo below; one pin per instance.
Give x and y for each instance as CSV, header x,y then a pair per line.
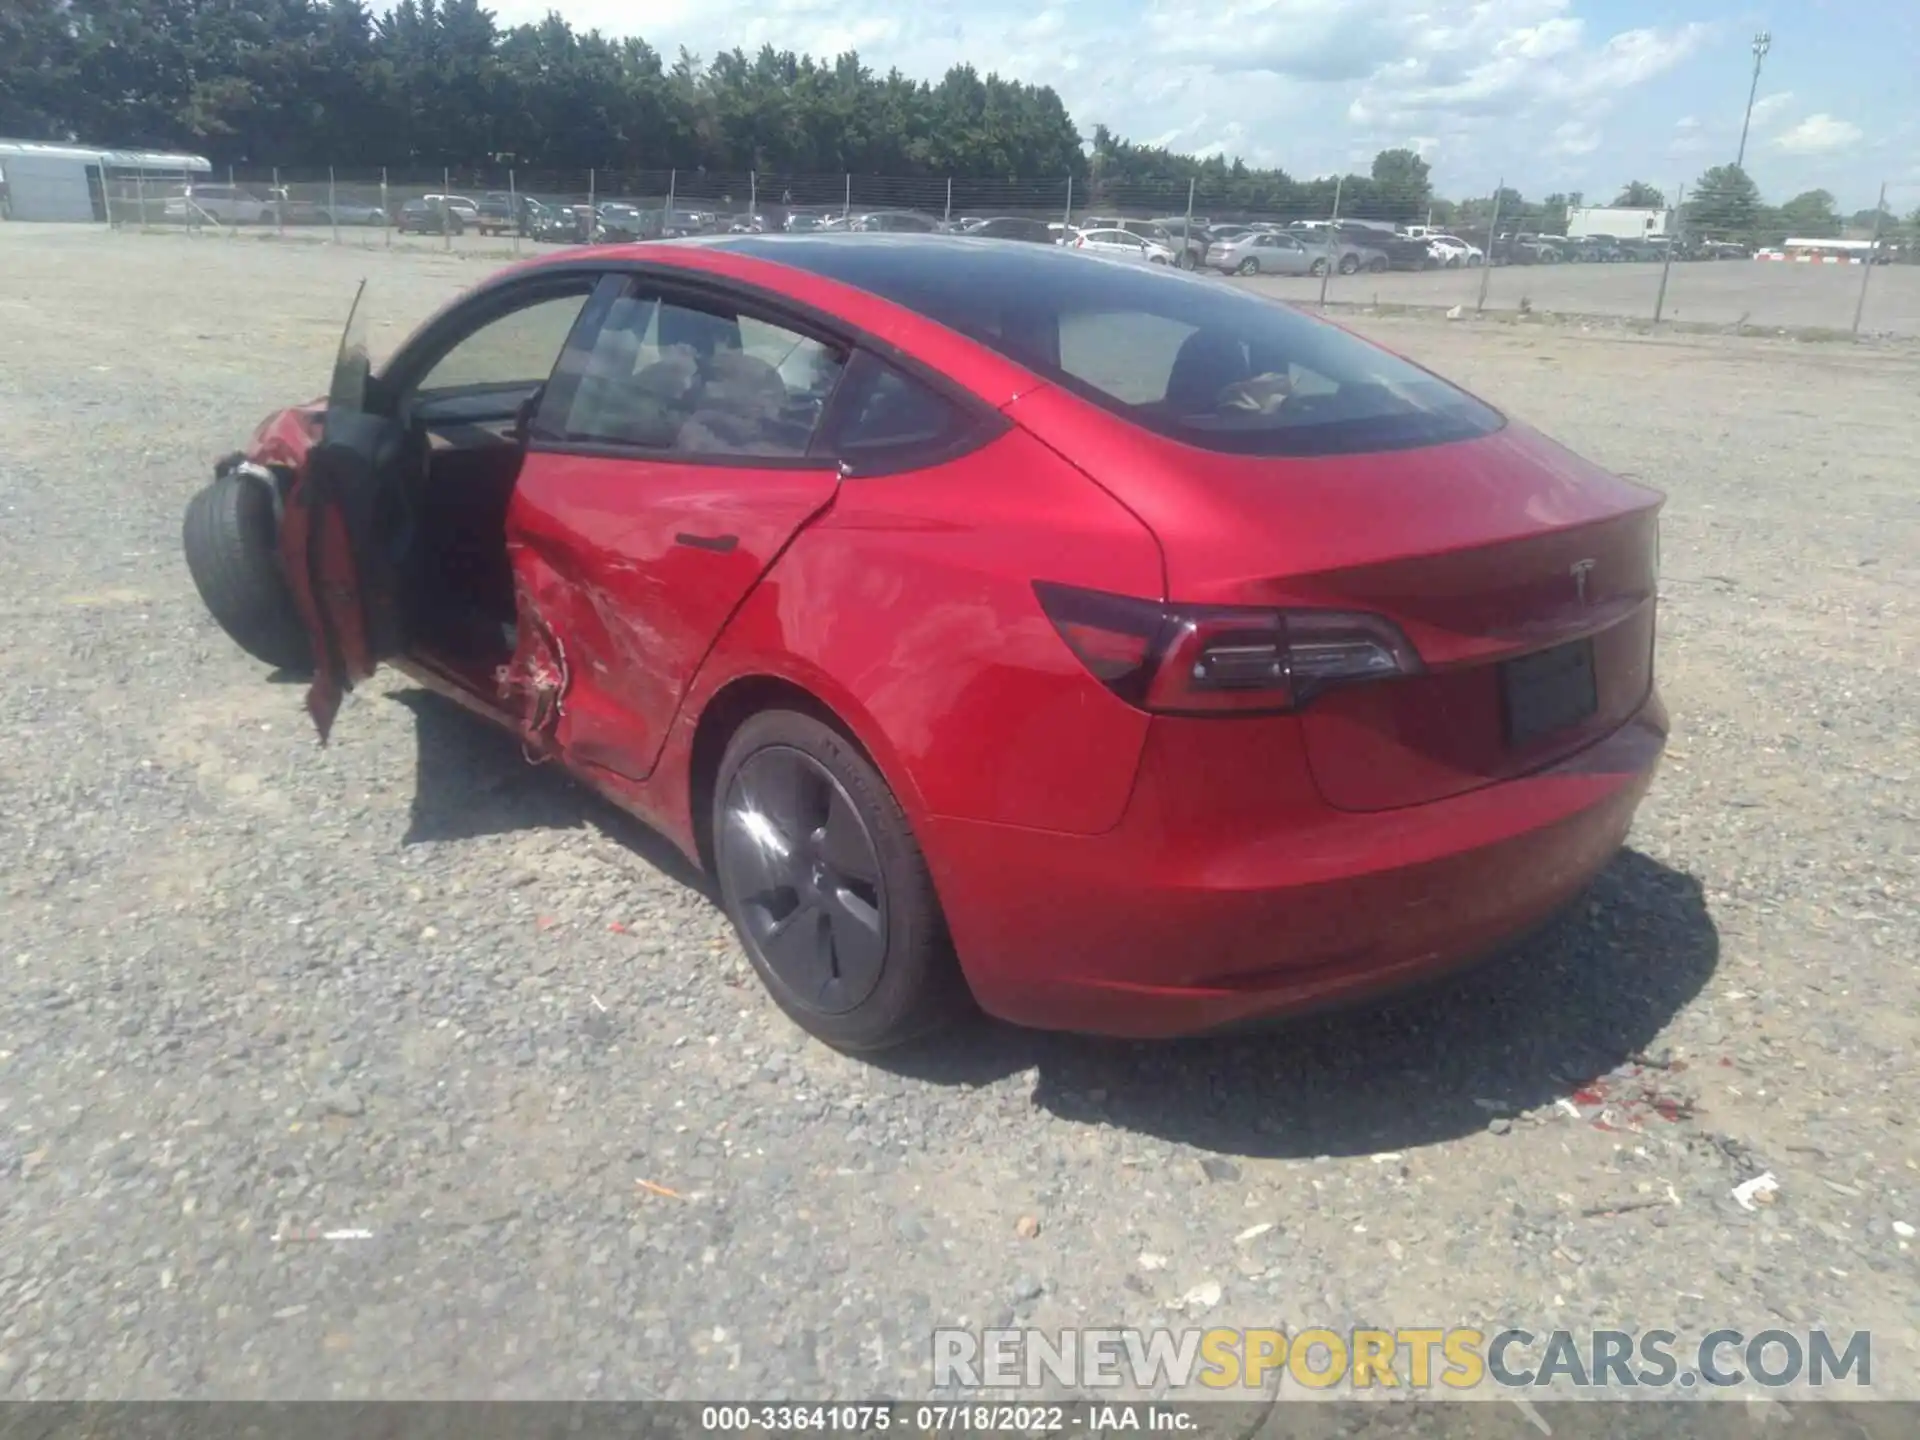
x,y
432,83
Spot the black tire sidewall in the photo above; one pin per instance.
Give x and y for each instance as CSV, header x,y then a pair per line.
x,y
920,987
229,539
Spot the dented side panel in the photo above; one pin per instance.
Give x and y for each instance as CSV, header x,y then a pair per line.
x,y
633,567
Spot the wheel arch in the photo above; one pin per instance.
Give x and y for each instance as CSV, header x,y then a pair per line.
x,y
745,695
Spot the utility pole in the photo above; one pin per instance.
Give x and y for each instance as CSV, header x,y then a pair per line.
x,y
1762,43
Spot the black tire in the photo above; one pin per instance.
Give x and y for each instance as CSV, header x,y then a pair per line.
x,y
229,539
1318,268
859,1004
1349,264
1248,266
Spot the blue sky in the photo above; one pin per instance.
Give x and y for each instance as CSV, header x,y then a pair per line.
x,y
1551,94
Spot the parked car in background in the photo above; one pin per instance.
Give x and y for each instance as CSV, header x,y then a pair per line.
x,y
1125,244
1403,252
564,224
1266,252
900,222
223,204
501,213
467,210
616,222
1452,252
430,215
338,211
1013,227
1347,256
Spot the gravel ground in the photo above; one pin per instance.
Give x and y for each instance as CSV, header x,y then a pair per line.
x,y
409,985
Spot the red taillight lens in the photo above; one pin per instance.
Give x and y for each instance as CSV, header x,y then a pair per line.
x,y
1179,659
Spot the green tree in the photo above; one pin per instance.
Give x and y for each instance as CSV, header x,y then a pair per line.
x,y
1638,195
1810,215
1402,185
1724,202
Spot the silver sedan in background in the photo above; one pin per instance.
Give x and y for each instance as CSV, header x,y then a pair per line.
x,y
1266,252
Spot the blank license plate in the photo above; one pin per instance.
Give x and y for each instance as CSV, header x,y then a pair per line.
x,y
1549,691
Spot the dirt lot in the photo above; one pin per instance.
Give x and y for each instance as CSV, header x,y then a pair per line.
x,y
409,985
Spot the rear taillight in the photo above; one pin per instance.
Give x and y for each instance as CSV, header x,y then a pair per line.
x,y
1184,659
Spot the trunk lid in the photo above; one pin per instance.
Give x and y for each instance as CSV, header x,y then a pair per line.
x,y
1523,575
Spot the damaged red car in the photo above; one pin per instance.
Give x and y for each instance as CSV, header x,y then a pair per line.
x,y
1109,648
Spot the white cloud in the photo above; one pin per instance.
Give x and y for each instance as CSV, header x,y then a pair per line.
x,y
1575,138
1767,107
1818,135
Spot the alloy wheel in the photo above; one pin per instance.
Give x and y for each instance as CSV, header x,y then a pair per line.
x,y
799,869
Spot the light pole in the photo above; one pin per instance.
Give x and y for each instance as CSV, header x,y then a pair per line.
x,y
1762,43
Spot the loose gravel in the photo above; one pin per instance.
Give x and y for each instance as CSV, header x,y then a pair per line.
x,y
254,993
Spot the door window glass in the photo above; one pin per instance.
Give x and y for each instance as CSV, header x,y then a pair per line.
x,y
709,382
517,349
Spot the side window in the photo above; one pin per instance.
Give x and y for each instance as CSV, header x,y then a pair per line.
x,y
676,379
885,416
1128,355
513,350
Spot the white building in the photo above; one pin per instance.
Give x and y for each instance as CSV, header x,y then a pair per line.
x,y
1618,223
79,182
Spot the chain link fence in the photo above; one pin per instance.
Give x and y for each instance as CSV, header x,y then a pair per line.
x,y
1690,273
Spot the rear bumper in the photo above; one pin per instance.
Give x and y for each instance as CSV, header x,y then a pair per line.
x,y
1192,916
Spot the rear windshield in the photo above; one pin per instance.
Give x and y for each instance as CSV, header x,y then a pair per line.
x,y
1196,360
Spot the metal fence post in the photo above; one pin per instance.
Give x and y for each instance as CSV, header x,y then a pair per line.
x,y
1186,238
1673,243
846,212
446,210
279,205
753,197
1486,265
233,223
1066,220
106,197
593,202
1879,213
666,215
386,210
513,210
333,206
140,191
1333,238
947,219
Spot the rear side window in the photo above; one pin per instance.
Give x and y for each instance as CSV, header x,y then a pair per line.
x,y
1209,365
885,419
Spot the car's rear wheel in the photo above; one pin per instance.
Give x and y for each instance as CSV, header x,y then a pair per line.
x,y
1319,267
1349,264
826,887
231,543
1250,266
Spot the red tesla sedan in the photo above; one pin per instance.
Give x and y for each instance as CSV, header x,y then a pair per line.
x,y
1119,649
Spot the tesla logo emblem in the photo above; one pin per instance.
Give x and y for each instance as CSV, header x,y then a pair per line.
x,y
1580,569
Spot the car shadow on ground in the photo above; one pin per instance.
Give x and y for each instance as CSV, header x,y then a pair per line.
x,y
474,780
1588,993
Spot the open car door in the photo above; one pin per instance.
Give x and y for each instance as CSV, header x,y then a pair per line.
x,y
343,530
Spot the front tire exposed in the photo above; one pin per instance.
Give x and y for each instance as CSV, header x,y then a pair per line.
x,y
1249,266
231,541
827,889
